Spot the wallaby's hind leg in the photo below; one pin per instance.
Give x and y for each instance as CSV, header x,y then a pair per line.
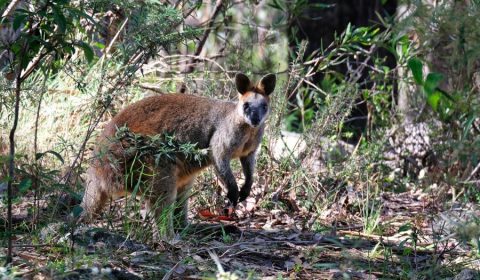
x,y
181,205
160,200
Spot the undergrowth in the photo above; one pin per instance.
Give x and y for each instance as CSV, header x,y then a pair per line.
x,y
404,217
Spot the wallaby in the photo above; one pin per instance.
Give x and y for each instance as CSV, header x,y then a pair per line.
x,y
226,129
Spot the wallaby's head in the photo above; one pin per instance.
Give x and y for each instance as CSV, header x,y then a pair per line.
x,y
254,99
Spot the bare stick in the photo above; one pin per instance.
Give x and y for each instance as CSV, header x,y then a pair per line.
x,y
201,43
11,162
115,38
11,7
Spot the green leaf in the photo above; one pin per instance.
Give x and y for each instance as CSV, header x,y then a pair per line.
x,y
99,45
77,210
19,20
348,30
433,99
16,48
321,6
68,49
57,155
432,81
87,50
405,227
277,5
416,67
467,125
60,19
25,185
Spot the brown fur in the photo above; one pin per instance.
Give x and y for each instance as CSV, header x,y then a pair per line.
x,y
219,126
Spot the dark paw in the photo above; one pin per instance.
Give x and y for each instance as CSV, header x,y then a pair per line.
x,y
233,197
243,195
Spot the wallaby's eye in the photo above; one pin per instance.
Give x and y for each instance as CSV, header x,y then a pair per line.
x,y
246,106
264,107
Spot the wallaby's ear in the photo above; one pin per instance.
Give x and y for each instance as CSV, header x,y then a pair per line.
x,y
267,83
242,83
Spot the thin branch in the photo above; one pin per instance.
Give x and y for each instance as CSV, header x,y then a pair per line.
x,y
115,38
11,162
11,7
201,43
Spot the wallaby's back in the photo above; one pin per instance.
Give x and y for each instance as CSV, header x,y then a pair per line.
x,y
191,119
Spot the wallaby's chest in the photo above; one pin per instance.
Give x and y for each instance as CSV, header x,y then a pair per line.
x,y
248,145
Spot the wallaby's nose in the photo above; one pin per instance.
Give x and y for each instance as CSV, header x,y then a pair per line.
x,y
255,120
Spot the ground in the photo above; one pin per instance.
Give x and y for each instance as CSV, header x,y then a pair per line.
x,y
263,244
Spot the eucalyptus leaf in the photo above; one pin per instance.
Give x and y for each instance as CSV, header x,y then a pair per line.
x,y
433,99
432,81
25,185
57,155
77,210
19,20
60,19
415,65
87,50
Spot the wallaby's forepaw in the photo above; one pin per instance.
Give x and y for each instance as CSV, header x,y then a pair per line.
x,y
233,197
244,193
243,196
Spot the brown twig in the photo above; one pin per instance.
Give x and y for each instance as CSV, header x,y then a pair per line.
x,y
203,40
115,38
11,160
11,7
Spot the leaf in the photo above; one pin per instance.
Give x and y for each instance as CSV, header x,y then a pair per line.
x,y
77,210
467,125
321,6
433,99
16,48
57,155
68,49
25,185
405,227
432,81
277,5
59,19
19,20
416,67
99,45
87,50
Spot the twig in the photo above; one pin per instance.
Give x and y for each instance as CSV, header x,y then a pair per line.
x,y
389,240
37,245
201,43
33,64
475,170
197,58
115,38
170,272
216,260
152,88
11,7
36,202
11,160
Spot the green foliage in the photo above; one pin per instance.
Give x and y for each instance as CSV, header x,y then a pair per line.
x,y
438,100
151,26
49,29
337,90
161,146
